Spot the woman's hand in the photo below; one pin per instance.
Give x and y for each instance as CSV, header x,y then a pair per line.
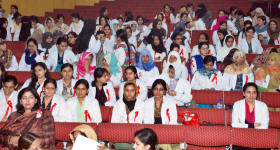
x,y
14,140
257,125
4,119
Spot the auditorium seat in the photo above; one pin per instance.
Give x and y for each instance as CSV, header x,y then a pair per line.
x,y
265,47
255,138
214,116
22,76
208,135
274,119
230,97
106,113
251,57
207,96
271,99
18,48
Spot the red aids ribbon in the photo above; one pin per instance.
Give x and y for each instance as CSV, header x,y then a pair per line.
x,y
246,79
107,91
10,106
140,74
167,114
136,114
78,76
277,40
44,57
53,107
192,65
182,53
74,94
41,92
215,78
87,116
209,52
138,88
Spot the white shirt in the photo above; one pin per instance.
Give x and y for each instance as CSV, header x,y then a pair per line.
x,y
58,108
229,80
76,27
90,105
119,114
4,106
60,85
201,82
40,89
13,65
239,115
195,50
39,26
147,77
168,111
25,67
68,57
142,90
109,92
10,30
87,76
256,46
120,54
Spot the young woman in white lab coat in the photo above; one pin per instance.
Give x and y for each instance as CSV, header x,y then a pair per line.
x,y
66,85
132,76
160,109
83,108
77,24
249,112
111,64
242,35
215,36
203,37
102,90
179,88
273,33
229,43
250,44
157,49
61,56
196,25
54,102
146,68
237,73
14,28
7,57
84,69
9,97
31,56
40,73
207,78
128,109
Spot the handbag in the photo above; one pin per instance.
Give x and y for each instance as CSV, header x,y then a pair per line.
x,y
189,118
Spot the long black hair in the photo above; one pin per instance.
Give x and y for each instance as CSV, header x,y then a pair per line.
x,y
20,108
83,39
98,73
122,34
34,78
3,31
147,137
201,10
25,28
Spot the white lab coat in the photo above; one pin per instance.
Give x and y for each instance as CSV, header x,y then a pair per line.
x,y
108,45
256,46
3,103
93,47
60,85
230,26
25,67
201,82
40,89
183,51
216,40
90,104
109,92
155,54
39,26
59,109
195,50
120,54
13,65
88,77
132,40
10,30
76,27
242,36
198,25
194,65
142,90
119,114
183,91
116,79
147,77
68,57
239,114
168,108
229,80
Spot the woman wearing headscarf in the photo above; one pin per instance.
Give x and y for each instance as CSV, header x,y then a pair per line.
x,y
50,25
267,77
156,48
114,25
146,68
259,12
180,68
237,73
207,18
273,31
228,44
77,23
84,69
222,33
112,65
47,44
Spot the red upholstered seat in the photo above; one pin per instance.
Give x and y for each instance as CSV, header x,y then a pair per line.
x,y
193,147
106,113
265,47
214,116
116,132
274,119
208,135
195,36
271,99
229,117
232,96
18,48
255,138
207,96
251,57
62,130
22,76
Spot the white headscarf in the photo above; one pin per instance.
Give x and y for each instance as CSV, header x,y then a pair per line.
x,y
178,66
223,52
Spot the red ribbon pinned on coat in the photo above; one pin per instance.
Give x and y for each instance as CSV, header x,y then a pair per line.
x,y
10,106
140,74
74,94
87,116
78,76
41,92
53,107
136,114
215,78
167,114
209,52
182,53
277,40
167,18
246,79
107,91
192,65
138,89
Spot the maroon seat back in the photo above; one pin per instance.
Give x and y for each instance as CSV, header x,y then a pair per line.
x,y
18,48
251,57
230,97
214,116
195,36
271,99
105,113
274,119
206,96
